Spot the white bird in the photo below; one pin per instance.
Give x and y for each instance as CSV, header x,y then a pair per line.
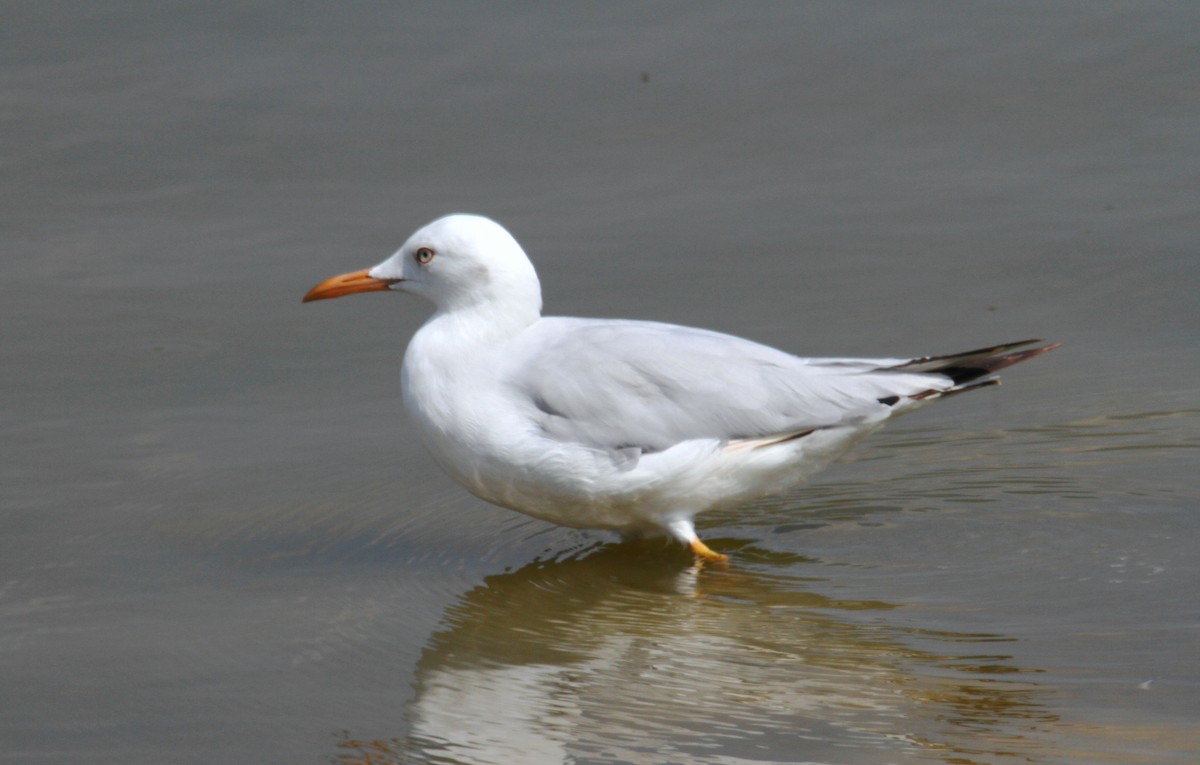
x,y
632,426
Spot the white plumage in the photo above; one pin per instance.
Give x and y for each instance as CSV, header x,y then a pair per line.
x,y
624,425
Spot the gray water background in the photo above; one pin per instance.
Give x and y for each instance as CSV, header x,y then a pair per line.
x,y
219,541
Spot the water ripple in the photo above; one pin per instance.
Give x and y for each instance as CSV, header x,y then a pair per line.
x,y
623,653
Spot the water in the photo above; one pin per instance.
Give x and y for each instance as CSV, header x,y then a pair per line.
x,y
219,541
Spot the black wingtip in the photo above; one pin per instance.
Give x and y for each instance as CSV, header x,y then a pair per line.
x,y
964,367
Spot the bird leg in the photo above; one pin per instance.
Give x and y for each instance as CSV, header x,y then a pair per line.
x,y
683,530
704,552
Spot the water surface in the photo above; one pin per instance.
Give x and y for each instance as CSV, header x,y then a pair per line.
x,y
219,541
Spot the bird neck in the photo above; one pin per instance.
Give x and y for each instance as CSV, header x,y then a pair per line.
x,y
487,324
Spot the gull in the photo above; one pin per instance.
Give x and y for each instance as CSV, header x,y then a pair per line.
x,y
629,426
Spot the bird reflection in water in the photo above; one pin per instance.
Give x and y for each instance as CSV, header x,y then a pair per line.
x,y
623,653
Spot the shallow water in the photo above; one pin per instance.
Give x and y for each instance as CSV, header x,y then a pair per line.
x,y
219,541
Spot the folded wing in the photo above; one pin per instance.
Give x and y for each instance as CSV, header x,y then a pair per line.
x,y
627,385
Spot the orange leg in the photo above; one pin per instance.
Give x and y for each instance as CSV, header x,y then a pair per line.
x,y
683,530
704,552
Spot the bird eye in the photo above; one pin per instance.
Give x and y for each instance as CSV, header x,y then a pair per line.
x,y
424,255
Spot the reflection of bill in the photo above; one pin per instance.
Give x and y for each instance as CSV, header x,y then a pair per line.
x,y
623,656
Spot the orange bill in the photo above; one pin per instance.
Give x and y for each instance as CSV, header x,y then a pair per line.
x,y
348,284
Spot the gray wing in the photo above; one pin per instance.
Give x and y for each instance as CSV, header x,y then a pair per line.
x,y
618,385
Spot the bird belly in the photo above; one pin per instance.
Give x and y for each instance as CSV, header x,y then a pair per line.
x,y
581,488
